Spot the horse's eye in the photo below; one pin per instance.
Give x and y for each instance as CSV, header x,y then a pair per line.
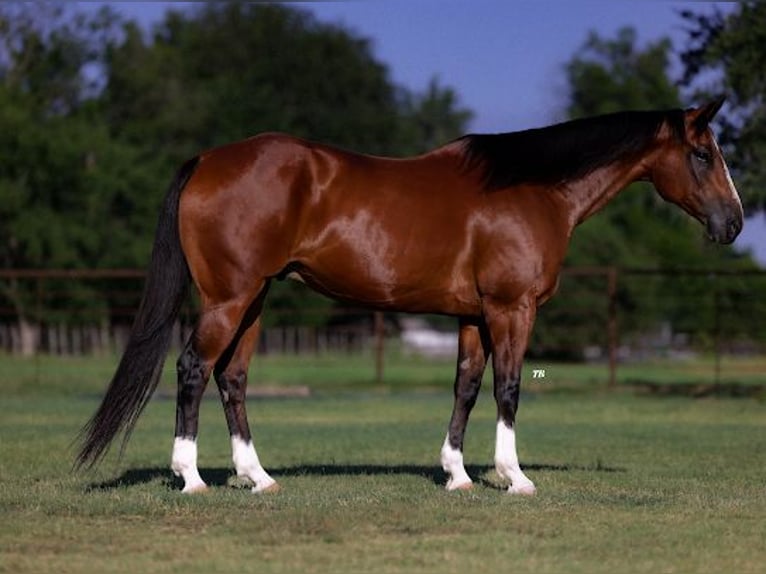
x,y
702,155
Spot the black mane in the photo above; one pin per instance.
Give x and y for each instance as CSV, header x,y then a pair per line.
x,y
565,151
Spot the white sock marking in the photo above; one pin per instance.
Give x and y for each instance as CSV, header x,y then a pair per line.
x,y
184,464
452,463
507,461
247,464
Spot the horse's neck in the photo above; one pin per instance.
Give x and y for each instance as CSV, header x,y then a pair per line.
x,y
588,195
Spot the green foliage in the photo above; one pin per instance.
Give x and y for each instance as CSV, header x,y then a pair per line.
x,y
231,70
610,75
433,118
725,55
71,195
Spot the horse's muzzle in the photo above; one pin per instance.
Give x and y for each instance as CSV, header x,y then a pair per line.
x,y
724,226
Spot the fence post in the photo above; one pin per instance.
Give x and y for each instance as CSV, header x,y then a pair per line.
x,y
380,336
612,332
716,330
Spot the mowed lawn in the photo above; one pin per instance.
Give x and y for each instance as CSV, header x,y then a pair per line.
x,y
626,483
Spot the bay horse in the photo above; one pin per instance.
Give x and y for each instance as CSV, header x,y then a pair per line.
x,y
476,229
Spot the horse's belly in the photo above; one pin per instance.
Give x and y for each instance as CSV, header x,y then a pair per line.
x,y
360,287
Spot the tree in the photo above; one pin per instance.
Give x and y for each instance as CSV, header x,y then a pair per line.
x,y
70,195
229,70
434,117
610,75
726,55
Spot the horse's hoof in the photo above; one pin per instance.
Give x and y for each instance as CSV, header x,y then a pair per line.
x,y
465,485
195,489
272,488
523,490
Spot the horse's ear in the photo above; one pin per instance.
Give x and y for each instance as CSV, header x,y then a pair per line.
x,y
699,118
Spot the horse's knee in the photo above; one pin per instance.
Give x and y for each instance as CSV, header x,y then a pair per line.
x,y
191,372
469,375
192,379
189,362
467,390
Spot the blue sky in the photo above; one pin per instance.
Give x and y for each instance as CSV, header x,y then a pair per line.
x,y
505,59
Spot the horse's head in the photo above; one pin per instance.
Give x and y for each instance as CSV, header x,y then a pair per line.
x,y
691,172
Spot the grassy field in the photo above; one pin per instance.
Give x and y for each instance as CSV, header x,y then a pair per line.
x,y
337,373
626,482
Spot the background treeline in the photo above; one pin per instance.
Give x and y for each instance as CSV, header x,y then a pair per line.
x,y
96,114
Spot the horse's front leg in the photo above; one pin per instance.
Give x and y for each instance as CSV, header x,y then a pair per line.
x,y
473,349
510,327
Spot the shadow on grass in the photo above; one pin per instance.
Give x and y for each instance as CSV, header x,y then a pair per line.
x,y
435,474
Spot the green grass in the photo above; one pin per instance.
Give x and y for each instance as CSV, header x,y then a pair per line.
x,y
625,483
72,376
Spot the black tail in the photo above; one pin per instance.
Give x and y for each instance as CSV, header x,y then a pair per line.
x,y
139,371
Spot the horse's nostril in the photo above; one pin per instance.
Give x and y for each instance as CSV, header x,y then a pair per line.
x,y
733,227
723,229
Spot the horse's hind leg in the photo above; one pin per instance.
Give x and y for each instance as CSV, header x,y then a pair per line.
x,y
473,348
231,376
191,386
217,326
